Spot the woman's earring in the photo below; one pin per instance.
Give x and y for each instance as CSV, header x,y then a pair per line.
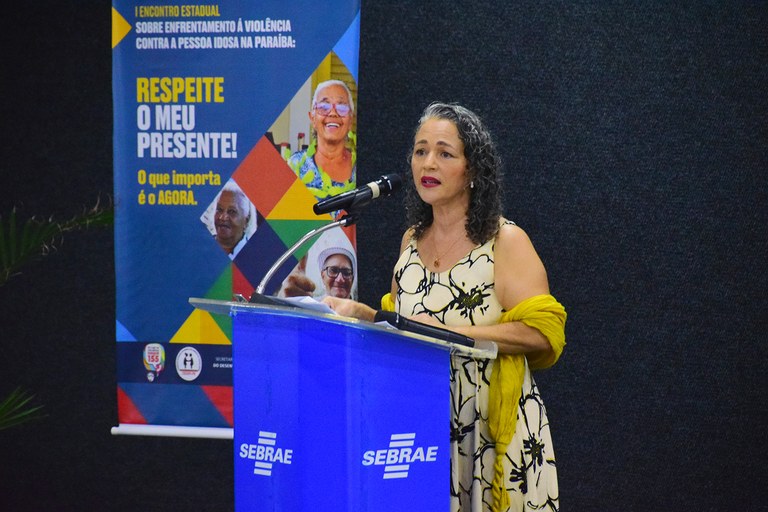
x,y
471,184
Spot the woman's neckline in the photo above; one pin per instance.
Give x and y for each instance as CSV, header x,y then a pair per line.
x,y
447,268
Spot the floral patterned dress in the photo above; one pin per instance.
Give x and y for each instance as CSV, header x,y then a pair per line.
x,y
464,295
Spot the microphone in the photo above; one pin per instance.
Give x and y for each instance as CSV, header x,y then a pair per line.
x,y
361,196
406,324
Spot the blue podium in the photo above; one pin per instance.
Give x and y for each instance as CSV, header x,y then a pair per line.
x,y
333,414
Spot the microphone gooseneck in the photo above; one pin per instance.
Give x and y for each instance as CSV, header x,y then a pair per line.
x,y
351,202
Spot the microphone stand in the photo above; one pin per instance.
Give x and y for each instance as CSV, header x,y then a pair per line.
x,y
346,220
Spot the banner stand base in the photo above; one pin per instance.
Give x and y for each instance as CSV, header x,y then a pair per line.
x,y
128,429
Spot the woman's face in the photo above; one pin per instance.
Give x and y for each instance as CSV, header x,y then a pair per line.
x,y
230,221
331,125
438,164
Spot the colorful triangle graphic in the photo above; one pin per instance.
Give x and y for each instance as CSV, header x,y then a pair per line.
x,y
290,231
120,28
206,328
296,204
264,176
201,328
222,289
241,284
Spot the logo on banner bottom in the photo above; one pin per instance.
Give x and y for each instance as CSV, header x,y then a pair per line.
x,y
399,456
265,454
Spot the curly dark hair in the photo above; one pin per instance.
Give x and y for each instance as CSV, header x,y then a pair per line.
x,y
483,168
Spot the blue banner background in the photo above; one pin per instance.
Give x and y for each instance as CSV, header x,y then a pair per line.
x,y
163,255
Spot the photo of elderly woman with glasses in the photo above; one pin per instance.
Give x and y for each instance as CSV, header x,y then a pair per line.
x,y
337,271
327,270
327,166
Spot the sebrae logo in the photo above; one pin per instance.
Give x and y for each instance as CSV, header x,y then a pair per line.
x,y
397,459
265,454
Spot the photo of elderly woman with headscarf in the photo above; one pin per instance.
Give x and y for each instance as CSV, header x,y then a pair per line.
x,y
329,269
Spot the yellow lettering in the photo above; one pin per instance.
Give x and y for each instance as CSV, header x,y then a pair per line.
x,y
191,89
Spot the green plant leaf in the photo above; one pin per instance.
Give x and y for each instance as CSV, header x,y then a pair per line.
x,y
36,238
15,411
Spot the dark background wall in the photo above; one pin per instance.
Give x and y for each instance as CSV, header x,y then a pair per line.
x,y
634,140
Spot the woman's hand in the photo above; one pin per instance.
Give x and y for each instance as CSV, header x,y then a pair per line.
x,y
351,308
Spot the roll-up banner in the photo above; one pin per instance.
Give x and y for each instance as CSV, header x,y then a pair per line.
x,y
230,121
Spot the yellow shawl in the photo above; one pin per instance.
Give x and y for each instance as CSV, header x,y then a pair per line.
x,y
544,313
